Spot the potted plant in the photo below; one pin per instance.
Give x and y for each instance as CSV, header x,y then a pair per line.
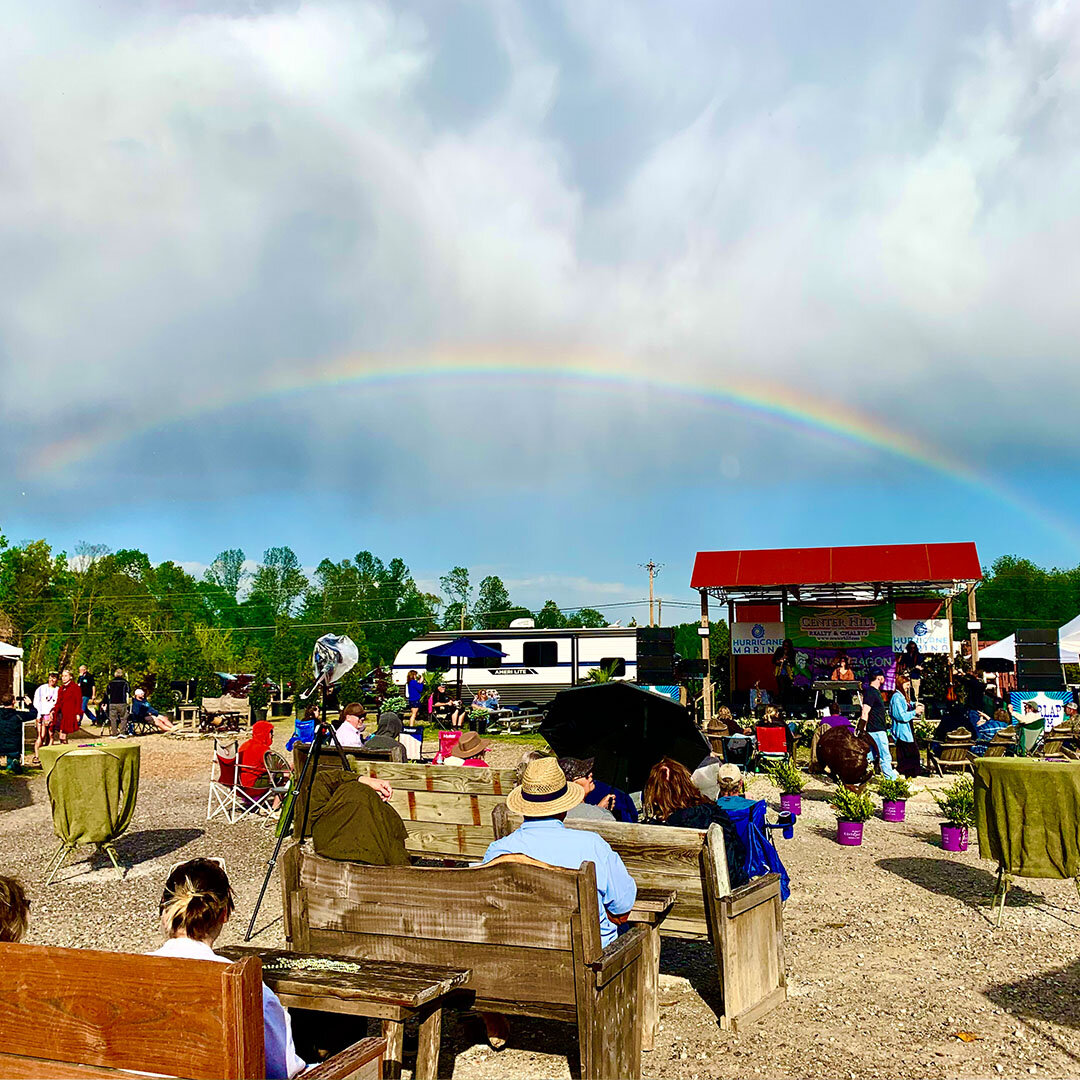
x,y
957,803
894,796
852,809
788,777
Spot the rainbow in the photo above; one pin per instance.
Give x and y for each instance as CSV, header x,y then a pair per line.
x,y
766,402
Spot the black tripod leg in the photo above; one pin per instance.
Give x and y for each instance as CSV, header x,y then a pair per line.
x,y
310,768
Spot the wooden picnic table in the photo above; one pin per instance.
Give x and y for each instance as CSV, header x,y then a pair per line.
x,y
386,990
650,909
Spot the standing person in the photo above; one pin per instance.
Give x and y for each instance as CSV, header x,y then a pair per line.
x,y
86,686
876,722
784,670
194,908
117,696
67,713
903,712
414,691
44,703
912,663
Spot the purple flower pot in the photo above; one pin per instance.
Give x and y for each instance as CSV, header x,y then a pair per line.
x,y
893,809
849,833
954,838
791,803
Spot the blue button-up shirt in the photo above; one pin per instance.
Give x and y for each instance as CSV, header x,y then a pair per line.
x,y
550,841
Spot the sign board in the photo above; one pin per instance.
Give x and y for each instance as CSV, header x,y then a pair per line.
x,y
756,638
930,635
839,628
1051,705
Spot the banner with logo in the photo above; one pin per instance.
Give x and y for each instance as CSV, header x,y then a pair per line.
x,y
814,665
1051,705
756,638
930,635
839,628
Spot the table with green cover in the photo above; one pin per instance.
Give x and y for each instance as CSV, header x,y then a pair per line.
x,y
92,790
1027,813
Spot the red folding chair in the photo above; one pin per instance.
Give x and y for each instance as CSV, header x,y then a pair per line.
x,y
772,742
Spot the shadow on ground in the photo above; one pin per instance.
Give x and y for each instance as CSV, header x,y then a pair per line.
x,y
1052,995
137,847
14,791
947,877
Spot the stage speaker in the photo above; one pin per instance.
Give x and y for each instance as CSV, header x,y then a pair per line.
x,y
656,655
692,669
1038,661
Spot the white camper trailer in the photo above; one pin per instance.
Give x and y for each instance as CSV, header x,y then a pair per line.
x,y
537,665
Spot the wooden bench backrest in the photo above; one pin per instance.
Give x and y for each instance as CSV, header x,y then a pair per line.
x,y
524,930
74,1012
661,857
446,808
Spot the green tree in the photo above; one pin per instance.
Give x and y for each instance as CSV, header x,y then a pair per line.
x,y
549,617
492,604
589,618
278,583
457,594
227,572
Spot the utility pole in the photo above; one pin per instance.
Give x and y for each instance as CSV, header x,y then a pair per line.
x,y
654,568
660,611
463,603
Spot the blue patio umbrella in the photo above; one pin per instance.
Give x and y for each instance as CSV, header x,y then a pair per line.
x,y
463,647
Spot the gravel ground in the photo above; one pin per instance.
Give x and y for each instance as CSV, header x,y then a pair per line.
x,y
890,947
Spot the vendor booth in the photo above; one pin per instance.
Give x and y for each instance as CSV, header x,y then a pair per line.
x,y
863,602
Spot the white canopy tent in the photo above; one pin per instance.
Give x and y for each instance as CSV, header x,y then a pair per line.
x,y
12,654
1068,645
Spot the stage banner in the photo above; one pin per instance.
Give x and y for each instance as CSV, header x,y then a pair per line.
x,y
756,638
930,635
1051,705
839,628
813,665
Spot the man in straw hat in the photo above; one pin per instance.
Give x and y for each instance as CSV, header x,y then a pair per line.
x,y
543,798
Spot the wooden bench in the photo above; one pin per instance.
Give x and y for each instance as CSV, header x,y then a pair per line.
x,y
80,1013
745,926
446,808
530,934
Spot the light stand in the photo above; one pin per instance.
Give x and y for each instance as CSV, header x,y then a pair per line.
x,y
323,733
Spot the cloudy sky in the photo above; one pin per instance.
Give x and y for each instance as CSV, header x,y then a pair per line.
x,y
546,289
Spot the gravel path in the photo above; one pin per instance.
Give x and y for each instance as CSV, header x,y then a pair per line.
x,y
890,948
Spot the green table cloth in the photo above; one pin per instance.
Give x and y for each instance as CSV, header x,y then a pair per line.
x,y
1027,813
92,790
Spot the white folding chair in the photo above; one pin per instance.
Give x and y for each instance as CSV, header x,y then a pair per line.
x,y
221,798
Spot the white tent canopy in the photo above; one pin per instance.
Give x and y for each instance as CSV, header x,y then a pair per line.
x,y
1068,645
9,652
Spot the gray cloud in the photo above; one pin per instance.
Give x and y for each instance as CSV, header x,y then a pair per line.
x,y
196,198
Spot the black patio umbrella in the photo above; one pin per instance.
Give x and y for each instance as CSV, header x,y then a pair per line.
x,y
995,663
625,728
462,647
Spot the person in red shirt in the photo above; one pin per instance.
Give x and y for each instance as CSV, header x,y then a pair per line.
x,y
254,778
67,715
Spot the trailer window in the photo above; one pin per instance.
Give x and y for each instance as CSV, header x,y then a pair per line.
x,y
437,663
615,664
540,653
488,661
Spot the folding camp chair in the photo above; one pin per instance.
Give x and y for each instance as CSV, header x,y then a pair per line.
x,y
772,743
738,750
221,798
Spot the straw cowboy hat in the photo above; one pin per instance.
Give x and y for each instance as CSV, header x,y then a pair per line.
x,y
470,743
543,791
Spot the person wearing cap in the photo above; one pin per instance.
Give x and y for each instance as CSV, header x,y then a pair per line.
x,y
386,734
470,751
350,732
543,799
580,772
718,781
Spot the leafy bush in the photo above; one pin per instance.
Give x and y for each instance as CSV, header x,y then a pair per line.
x,y
394,704
924,729
957,803
898,790
787,776
851,806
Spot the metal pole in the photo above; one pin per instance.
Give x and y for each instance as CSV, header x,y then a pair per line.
x,y
660,611
973,626
652,571
707,683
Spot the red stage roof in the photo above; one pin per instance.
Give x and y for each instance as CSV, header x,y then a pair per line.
x,y
746,573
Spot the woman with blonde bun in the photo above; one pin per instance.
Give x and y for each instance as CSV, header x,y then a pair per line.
x,y
195,907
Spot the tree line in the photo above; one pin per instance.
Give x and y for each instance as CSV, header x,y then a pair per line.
x,y
109,609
